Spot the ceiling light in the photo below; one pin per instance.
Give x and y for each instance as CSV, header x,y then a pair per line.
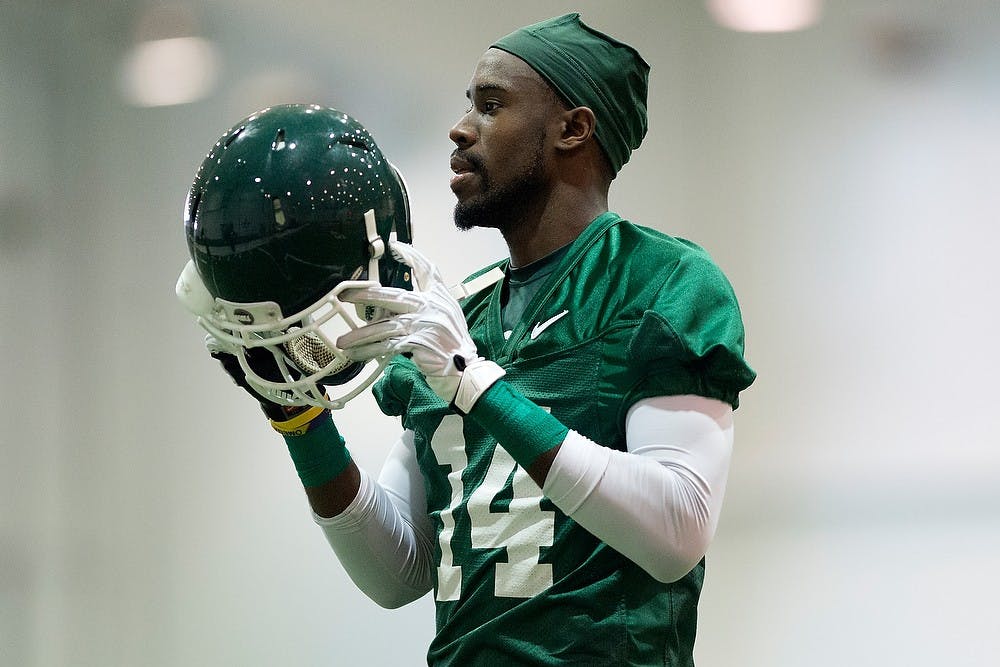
x,y
765,15
177,70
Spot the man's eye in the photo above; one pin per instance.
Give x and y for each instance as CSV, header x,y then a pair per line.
x,y
490,107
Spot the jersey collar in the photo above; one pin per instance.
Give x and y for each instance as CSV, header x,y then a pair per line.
x,y
502,350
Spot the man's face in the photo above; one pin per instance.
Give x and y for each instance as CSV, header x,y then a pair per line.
x,y
501,159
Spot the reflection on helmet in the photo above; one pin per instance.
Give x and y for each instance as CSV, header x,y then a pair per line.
x,y
292,205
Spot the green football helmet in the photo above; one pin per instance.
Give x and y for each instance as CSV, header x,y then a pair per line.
x,y
293,205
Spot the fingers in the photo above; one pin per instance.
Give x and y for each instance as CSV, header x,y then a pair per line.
x,y
392,336
392,299
216,346
373,351
424,271
370,333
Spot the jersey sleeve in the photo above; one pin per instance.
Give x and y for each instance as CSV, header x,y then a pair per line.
x,y
691,339
402,388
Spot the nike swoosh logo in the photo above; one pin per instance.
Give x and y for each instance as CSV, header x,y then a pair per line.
x,y
542,326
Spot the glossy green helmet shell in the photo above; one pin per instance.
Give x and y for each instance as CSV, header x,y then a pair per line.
x,y
276,210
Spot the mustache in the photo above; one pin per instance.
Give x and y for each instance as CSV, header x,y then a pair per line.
x,y
472,159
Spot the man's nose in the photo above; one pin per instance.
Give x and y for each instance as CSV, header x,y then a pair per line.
x,y
462,132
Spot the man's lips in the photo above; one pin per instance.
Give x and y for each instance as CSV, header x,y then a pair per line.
x,y
461,179
464,170
461,164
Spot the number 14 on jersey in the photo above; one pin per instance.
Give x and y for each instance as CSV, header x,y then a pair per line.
x,y
522,529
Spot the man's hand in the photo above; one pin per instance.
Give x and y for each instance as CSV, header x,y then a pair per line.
x,y
429,326
262,362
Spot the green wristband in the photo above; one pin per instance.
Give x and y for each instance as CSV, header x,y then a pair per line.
x,y
521,427
319,454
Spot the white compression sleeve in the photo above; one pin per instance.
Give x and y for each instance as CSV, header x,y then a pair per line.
x,y
384,539
667,488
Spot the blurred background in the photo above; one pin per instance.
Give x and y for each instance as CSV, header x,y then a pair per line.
x,y
839,160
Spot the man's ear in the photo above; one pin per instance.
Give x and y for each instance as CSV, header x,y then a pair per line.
x,y
578,127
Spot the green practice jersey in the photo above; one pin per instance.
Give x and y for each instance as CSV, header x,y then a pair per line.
x,y
629,313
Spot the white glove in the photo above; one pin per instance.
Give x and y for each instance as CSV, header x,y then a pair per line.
x,y
428,325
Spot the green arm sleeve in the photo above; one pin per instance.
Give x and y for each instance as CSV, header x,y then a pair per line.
x,y
521,427
318,453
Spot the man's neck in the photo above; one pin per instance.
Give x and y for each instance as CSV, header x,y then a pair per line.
x,y
556,224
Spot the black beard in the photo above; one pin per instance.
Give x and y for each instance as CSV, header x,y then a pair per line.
x,y
502,207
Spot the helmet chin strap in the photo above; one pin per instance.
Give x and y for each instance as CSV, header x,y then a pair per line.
x,y
376,250
376,246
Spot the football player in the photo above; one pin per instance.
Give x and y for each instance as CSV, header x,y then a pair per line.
x,y
567,412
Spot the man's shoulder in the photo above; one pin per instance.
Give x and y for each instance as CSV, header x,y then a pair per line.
x,y
647,242
646,256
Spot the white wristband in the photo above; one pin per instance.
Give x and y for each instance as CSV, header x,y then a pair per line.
x,y
477,377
